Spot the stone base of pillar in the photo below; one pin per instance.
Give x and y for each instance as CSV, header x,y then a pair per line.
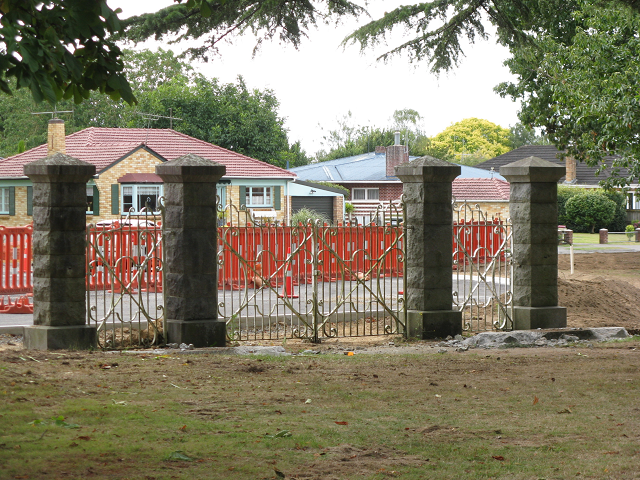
x,y
74,337
530,318
200,333
433,324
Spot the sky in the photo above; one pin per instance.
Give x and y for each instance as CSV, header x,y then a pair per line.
x,y
318,84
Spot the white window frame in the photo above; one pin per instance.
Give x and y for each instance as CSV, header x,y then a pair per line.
x,y
89,194
370,194
5,201
133,206
267,194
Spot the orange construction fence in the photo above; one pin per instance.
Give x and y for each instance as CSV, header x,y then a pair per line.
x,y
478,241
118,252
16,256
245,254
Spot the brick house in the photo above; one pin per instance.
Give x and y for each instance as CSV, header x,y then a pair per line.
x,y
370,179
125,160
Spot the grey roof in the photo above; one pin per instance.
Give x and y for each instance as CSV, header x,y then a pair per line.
x,y
369,167
585,174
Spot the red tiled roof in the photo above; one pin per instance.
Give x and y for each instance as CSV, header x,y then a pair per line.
x,y
480,189
103,146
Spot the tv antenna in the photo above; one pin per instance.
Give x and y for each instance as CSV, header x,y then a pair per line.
x,y
54,114
151,117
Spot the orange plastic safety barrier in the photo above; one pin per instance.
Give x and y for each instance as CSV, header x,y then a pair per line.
x,y
16,259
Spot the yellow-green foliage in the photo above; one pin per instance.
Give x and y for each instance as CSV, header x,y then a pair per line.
x,y
473,138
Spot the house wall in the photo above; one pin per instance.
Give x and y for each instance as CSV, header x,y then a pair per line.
x,y
20,219
388,191
492,209
233,198
140,161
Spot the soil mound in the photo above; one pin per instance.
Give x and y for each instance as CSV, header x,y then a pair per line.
x,y
600,302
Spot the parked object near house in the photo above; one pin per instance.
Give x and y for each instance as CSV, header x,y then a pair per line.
x,y
125,180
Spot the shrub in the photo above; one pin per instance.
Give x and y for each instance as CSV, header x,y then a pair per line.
x,y
564,194
590,209
619,221
306,215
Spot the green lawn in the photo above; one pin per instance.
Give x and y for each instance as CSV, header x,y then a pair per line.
x,y
592,238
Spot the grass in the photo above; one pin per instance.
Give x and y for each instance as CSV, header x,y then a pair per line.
x,y
594,238
517,414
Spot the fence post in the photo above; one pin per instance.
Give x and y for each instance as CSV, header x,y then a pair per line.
x,y
59,230
533,207
190,245
429,262
603,236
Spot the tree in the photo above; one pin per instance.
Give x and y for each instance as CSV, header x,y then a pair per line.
x,y
210,22
521,135
349,139
61,49
407,121
472,140
590,209
229,115
582,90
148,70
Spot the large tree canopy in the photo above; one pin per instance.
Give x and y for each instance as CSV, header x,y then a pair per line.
x,y
60,49
473,140
230,115
583,92
210,21
63,49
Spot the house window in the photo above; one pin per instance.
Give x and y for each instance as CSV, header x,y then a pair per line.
x,y
4,201
140,198
365,194
259,196
90,199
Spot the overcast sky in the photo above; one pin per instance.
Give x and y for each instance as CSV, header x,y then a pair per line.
x,y
321,82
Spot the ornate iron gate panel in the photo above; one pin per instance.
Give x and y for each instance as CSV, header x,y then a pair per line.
x,y
482,288
124,281
310,281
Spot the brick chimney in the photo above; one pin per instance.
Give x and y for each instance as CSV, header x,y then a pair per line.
x,y
380,149
570,164
56,137
396,154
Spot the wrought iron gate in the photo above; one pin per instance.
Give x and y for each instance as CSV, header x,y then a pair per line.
x,y
124,280
312,280
482,288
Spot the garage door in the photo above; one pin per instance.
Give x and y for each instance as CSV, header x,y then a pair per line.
x,y
319,204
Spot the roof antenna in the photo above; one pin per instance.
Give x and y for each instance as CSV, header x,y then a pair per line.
x,y
151,117
54,114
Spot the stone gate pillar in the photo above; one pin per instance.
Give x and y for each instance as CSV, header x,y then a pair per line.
x,y
59,236
190,245
534,212
429,249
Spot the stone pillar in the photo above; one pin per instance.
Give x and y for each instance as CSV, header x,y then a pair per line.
x,y
429,259
59,231
534,212
190,251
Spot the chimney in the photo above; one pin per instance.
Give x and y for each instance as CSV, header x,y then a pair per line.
x,y
381,149
396,154
56,137
570,164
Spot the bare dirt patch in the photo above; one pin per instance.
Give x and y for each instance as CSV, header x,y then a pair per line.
x,y
604,291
